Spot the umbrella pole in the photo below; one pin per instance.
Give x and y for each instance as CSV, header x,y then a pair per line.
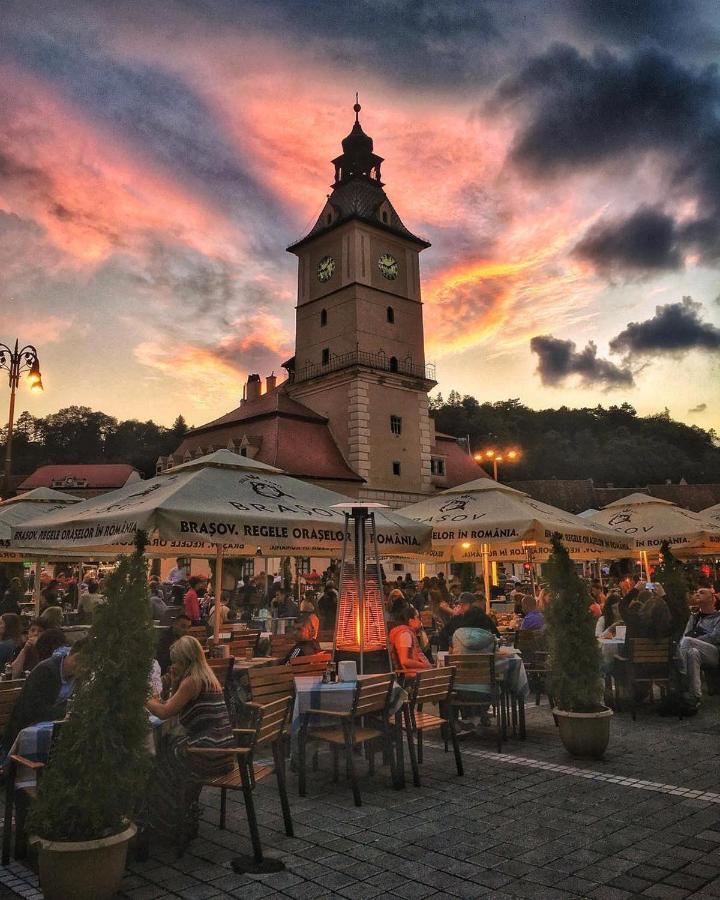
x,y
38,570
486,575
218,594
645,563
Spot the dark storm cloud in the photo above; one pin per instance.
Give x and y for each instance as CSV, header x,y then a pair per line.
x,y
584,110
558,360
700,408
675,328
646,240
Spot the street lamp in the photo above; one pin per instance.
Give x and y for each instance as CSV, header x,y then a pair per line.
x,y
15,362
497,457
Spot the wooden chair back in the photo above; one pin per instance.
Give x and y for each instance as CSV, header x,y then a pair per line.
x,y
372,694
8,699
310,665
222,667
473,668
242,641
326,635
272,720
281,644
199,632
432,685
532,644
271,683
649,650
12,684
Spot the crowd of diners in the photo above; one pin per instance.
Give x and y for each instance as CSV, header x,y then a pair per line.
x,y
183,686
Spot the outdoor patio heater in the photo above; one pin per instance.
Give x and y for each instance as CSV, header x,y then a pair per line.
x,y
360,630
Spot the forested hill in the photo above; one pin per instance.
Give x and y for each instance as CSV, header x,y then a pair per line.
x,y
611,445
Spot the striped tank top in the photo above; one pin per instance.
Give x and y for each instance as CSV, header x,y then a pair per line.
x,y
206,723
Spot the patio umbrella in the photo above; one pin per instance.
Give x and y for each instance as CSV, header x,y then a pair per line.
x,y
652,521
20,509
712,513
485,520
219,505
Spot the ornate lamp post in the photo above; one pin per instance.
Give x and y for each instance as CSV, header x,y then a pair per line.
x,y
497,457
16,361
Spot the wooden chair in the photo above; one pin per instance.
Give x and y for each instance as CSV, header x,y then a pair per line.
x,y
243,641
269,728
429,686
532,644
222,667
281,645
199,632
371,697
19,796
8,698
326,635
473,669
271,683
645,661
310,665
12,684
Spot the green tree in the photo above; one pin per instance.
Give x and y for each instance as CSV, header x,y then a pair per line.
x,y
101,764
573,647
671,575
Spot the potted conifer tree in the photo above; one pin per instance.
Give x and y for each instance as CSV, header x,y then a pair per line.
x,y
577,688
671,575
82,819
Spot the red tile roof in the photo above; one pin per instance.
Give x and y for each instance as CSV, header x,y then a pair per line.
x,y
274,402
102,475
460,467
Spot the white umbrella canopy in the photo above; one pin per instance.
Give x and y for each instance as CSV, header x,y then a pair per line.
x,y
484,519
222,500
651,521
712,513
20,509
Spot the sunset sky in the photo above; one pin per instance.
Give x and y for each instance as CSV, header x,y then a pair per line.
x,y
562,156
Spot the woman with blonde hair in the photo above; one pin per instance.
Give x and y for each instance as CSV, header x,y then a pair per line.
x,y
197,700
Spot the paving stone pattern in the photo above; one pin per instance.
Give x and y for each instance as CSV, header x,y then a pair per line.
x,y
531,822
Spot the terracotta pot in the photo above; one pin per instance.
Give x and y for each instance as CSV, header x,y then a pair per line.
x,y
584,734
83,870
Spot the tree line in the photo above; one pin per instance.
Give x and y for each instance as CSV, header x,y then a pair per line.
x,y
611,445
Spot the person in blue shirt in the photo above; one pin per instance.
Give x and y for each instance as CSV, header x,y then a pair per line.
x,y
533,619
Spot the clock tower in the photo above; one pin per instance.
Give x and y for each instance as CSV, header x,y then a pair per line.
x,y
359,352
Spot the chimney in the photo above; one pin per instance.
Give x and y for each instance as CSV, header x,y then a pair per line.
x,y
252,388
270,383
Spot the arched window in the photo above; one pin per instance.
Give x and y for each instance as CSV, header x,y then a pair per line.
x,y
393,364
329,218
390,315
385,217
323,317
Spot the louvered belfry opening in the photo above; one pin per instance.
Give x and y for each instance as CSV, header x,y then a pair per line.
x,y
360,631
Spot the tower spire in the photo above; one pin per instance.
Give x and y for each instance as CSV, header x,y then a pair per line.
x,y
357,108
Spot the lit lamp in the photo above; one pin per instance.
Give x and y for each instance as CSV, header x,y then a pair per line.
x,y
16,360
360,631
496,457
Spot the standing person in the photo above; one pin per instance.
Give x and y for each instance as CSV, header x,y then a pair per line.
x,y
327,606
12,597
157,601
191,601
198,701
177,573
284,606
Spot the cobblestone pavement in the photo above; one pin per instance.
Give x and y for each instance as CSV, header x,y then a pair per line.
x,y
530,822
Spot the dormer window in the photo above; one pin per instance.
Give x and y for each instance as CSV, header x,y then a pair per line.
x,y
323,317
391,315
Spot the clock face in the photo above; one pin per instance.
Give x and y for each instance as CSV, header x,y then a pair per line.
x,y
325,268
388,266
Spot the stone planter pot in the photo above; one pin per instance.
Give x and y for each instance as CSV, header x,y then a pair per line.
x,y
83,870
584,734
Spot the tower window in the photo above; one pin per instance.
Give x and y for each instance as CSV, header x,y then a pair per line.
x,y
326,356
329,218
385,217
396,424
393,364
323,317
396,468
391,315
437,466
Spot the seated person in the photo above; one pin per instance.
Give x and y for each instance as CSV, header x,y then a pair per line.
x,y
88,601
27,658
45,693
646,616
172,633
12,597
198,700
406,651
157,600
11,637
305,642
52,617
327,605
533,619
307,608
474,633
605,625
699,646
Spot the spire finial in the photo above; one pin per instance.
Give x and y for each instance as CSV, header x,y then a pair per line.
x,y
357,108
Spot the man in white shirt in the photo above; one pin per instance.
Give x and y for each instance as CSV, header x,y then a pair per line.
x,y
177,573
